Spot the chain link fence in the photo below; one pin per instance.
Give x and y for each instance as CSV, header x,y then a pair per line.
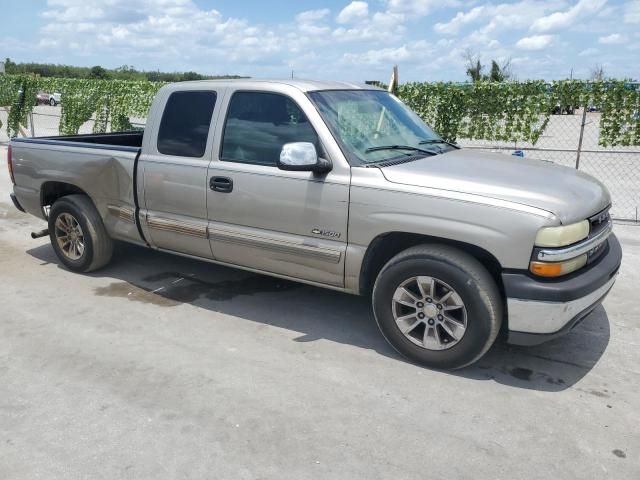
x,y
569,139
45,121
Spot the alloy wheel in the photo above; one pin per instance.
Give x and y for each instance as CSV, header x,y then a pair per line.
x,y
69,236
429,313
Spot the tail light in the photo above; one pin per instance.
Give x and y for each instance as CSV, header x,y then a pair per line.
x,y
10,165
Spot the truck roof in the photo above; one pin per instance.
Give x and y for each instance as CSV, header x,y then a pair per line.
x,y
303,85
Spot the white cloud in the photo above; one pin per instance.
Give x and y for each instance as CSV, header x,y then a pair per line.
x,y
311,16
184,35
632,12
413,51
355,11
453,26
613,39
419,7
309,22
588,52
569,18
151,29
535,42
502,16
380,26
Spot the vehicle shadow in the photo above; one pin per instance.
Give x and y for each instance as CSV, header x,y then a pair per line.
x,y
143,275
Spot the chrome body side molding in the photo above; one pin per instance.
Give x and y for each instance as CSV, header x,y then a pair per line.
x,y
123,213
299,249
167,225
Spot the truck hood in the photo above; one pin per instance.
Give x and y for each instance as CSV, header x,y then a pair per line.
x,y
569,194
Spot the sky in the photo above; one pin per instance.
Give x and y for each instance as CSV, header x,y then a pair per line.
x,y
328,39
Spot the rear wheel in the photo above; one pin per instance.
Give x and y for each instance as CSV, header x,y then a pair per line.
x,y
52,102
437,306
78,235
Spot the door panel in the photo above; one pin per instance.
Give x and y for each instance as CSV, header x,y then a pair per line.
x,y
269,219
174,170
177,193
290,223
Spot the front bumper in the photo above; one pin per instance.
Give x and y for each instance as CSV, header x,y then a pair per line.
x,y
542,309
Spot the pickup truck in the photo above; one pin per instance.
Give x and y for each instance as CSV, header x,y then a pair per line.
x,y
340,186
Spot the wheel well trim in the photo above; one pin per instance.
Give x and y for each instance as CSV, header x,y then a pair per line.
x,y
73,190
369,268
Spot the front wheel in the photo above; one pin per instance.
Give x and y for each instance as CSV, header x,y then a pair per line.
x,y
437,306
78,235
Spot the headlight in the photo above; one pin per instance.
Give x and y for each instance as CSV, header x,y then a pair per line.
x,y
563,235
557,269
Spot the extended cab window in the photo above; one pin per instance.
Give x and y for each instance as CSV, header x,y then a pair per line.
x,y
259,124
185,123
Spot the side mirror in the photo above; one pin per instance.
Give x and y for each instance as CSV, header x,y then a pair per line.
x,y
302,157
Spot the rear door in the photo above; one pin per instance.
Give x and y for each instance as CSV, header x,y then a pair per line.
x,y
174,170
289,223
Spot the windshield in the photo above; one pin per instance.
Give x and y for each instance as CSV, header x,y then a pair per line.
x,y
373,125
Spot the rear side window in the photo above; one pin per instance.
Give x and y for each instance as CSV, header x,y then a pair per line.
x,y
259,124
185,123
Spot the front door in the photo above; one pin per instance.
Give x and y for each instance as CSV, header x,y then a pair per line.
x,y
174,171
289,223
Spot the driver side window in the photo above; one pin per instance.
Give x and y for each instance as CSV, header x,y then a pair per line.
x,y
259,124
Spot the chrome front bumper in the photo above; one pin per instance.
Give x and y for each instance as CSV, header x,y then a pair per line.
x,y
532,322
540,310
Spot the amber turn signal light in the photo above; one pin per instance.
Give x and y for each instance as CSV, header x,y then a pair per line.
x,y
557,269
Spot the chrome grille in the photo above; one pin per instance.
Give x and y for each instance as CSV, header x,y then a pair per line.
x,y
598,222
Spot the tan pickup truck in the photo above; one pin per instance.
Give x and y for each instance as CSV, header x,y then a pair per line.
x,y
340,186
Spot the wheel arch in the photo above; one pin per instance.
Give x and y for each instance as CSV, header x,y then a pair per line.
x,y
387,245
50,191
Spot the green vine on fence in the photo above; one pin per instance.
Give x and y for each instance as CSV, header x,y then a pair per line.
x,y
520,111
504,111
109,102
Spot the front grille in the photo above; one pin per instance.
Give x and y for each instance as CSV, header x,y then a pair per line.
x,y
598,222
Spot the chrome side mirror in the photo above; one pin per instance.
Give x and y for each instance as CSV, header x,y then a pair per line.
x,y
302,157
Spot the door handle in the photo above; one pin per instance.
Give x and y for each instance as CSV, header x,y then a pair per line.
x,y
221,184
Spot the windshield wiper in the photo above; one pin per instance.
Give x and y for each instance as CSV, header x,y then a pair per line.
x,y
401,147
433,141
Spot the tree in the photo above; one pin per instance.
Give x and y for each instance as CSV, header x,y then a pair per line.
x,y
9,66
473,65
597,72
498,73
186,76
98,72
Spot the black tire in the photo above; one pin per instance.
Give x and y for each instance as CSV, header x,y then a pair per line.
x,y
468,277
98,246
52,102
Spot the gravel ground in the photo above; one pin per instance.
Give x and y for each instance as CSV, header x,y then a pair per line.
x,y
163,367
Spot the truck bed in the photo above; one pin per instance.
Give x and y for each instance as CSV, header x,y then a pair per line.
x,y
125,141
102,166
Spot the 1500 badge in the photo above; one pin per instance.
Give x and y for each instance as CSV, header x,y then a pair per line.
x,y
325,233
